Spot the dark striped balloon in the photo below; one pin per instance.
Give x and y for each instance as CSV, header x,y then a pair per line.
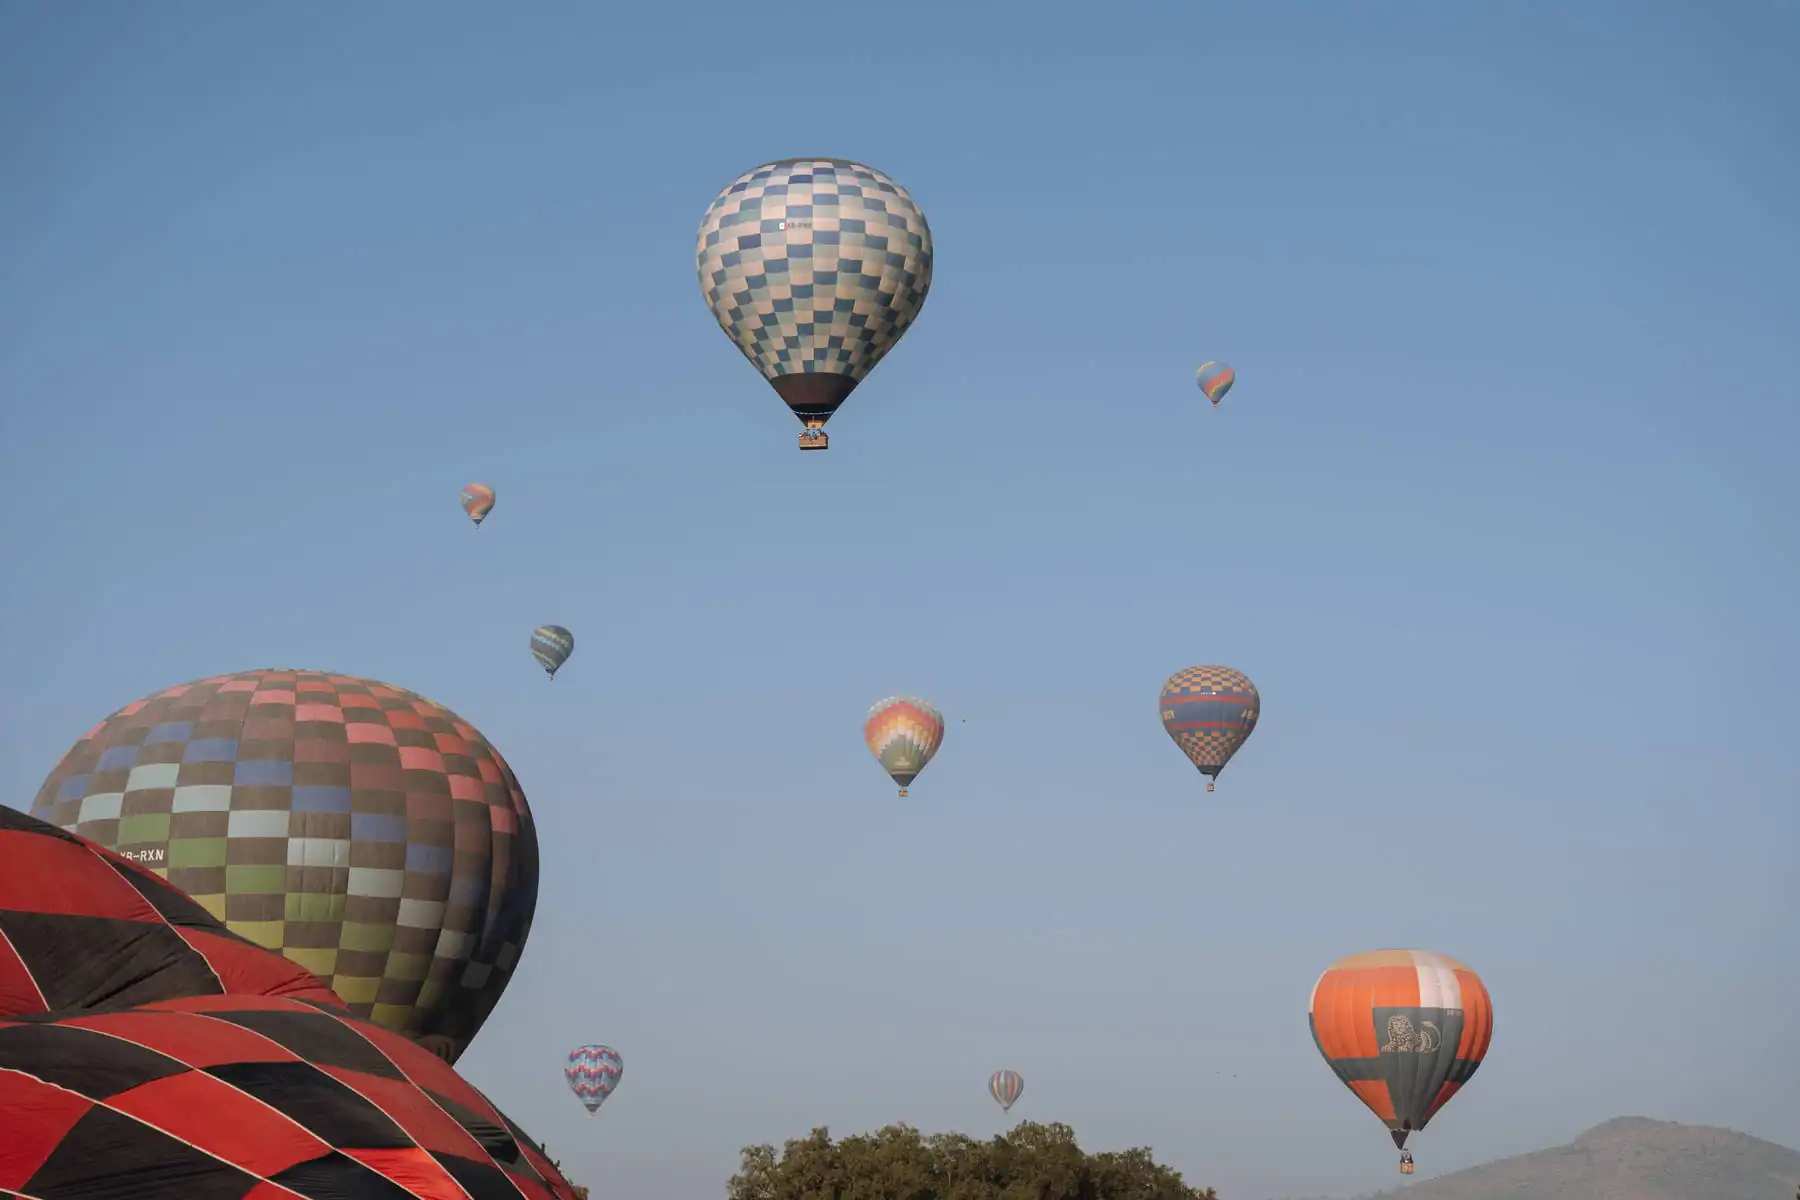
x,y
551,645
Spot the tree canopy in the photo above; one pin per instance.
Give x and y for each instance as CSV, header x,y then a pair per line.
x,y
1033,1162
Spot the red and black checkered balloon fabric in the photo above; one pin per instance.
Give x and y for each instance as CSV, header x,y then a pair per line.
x,y
83,930
146,1052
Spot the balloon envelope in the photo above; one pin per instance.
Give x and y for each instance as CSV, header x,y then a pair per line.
x,y
478,501
1209,712
1005,1087
137,1000
1215,379
593,1072
814,268
370,835
1404,1030
903,733
551,645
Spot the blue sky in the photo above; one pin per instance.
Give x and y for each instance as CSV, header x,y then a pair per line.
x,y
1500,518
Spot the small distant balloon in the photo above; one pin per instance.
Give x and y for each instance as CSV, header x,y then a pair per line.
x,y
903,733
551,645
1215,379
593,1072
1005,1087
478,502
1209,712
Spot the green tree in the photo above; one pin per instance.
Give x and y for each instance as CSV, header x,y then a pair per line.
x,y
1033,1162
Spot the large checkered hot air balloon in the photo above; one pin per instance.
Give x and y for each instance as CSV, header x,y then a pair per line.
x,y
814,268
1404,1030
903,733
370,835
1209,712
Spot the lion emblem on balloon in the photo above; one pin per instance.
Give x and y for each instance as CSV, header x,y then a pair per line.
x,y
1405,1038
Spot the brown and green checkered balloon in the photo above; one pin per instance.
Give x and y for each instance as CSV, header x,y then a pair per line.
x,y
368,834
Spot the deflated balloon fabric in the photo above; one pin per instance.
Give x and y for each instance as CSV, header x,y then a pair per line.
x,y
147,1051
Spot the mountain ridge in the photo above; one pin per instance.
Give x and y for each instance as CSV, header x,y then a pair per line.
x,y
1626,1158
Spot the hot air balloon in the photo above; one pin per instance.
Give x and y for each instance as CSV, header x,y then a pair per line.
x,y
1209,711
551,645
593,1072
903,733
1005,1087
478,502
1215,379
814,268
368,834
1404,1030
137,1000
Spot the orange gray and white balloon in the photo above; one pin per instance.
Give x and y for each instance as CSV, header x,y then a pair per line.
x,y
1403,1029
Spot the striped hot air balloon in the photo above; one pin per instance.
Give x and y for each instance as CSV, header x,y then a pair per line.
x,y
551,645
593,1072
1404,1030
478,502
903,733
1209,712
1005,1087
1215,379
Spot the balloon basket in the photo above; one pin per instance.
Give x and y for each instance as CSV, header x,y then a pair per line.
x,y
814,439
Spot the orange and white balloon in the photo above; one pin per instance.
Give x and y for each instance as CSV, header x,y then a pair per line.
x,y
1404,1030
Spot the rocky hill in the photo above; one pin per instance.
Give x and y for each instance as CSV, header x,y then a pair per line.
x,y
1630,1158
